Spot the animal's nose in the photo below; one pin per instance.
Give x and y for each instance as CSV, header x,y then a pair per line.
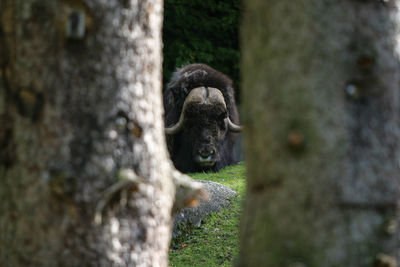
x,y
206,152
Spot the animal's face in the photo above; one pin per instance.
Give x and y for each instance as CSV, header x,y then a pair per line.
x,y
205,128
203,124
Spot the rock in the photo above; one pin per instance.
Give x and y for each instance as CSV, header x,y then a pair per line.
x,y
219,196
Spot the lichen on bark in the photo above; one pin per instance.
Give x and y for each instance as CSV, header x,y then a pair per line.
x,y
326,203
83,102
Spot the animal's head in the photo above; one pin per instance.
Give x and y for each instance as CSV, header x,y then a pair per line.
x,y
204,123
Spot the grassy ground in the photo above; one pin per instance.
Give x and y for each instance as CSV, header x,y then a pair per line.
x,y
215,243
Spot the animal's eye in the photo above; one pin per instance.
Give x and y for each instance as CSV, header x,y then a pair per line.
x,y
222,115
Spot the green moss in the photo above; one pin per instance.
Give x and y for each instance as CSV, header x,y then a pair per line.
x,y
215,243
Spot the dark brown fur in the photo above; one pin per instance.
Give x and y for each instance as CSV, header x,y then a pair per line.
x,y
201,126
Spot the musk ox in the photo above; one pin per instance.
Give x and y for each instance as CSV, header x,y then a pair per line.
x,y
201,119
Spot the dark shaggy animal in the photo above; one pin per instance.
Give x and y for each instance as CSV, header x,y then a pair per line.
x,y
201,119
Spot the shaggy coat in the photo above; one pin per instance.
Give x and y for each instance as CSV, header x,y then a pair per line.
x,y
201,124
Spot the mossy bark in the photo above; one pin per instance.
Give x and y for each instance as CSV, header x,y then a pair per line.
x,y
80,100
321,102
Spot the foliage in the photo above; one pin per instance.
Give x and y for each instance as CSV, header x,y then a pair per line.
x,y
215,243
202,31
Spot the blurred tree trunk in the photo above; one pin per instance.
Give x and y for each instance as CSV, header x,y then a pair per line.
x,y
322,105
81,110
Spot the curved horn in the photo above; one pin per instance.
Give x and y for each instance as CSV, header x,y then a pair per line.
x,y
195,95
216,96
178,126
204,96
232,126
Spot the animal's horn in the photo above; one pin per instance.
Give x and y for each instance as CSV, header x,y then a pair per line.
x,y
195,95
178,126
215,96
233,127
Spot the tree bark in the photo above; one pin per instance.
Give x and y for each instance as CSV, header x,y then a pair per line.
x,y
81,135
321,102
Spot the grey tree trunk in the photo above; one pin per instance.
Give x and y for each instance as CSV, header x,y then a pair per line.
x,y
321,101
81,135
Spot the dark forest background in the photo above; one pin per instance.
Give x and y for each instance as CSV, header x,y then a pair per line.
x,y
202,31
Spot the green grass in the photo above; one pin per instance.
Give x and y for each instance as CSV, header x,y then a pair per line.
x,y
215,243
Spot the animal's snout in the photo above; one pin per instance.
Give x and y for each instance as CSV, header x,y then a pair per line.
x,y
206,156
206,152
